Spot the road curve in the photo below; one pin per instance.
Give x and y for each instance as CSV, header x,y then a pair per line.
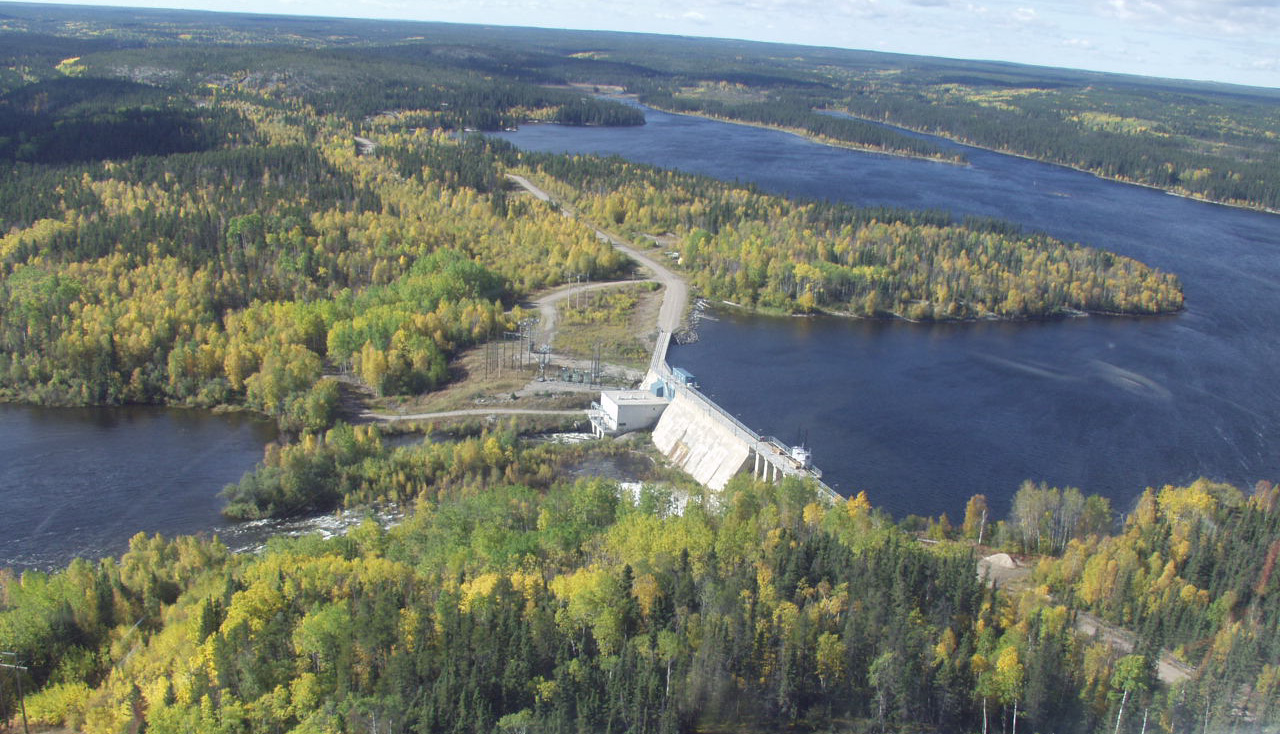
x,y
547,315
675,297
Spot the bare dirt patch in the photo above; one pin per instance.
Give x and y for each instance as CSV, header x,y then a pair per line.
x,y
480,378
1003,570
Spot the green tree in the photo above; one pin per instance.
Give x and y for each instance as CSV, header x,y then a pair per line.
x,y
1131,676
975,518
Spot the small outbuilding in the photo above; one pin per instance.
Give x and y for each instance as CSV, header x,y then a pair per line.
x,y
622,411
684,377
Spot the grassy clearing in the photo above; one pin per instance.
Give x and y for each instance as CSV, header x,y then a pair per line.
x,y
459,427
620,322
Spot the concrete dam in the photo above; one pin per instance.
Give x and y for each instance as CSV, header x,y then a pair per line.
x,y
696,434
688,427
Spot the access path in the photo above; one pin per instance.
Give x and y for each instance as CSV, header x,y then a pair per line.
x,y
675,297
546,305
393,417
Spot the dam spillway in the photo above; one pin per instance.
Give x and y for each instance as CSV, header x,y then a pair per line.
x,y
694,439
707,442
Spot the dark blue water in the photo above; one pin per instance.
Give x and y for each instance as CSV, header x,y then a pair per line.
x,y
82,481
923,416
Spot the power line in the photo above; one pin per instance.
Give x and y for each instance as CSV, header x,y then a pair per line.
x,y
22,704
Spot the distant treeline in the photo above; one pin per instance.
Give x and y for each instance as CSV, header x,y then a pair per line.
x,y
1210,141
75,119
435,88
1115,133
798,114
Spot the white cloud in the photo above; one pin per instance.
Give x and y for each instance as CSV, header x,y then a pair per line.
x,y
1267,65
1234,17
804,8
1224,40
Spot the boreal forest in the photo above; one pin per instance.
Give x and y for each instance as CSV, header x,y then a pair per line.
x,y
304,217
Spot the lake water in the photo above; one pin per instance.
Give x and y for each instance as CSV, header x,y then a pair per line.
x,y
82,481
923,416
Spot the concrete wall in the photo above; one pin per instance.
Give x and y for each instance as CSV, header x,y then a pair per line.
x,y
700,442
708,443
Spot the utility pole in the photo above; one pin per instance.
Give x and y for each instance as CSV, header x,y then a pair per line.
x,y
22,704
580,281
526,335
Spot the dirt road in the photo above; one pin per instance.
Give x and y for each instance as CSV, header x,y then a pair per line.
x,y
391,418
1008,574
1169,669
675,297
547,314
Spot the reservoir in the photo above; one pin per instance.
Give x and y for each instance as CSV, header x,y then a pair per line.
x,y
921,416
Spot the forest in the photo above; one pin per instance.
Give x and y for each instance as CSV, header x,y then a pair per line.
x,y
511,599
224,238
1215,142
247,273
251,213
763,252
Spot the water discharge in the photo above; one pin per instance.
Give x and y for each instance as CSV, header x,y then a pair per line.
x,y
82,481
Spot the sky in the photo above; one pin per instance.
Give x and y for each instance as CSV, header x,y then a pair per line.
x,y
1233,41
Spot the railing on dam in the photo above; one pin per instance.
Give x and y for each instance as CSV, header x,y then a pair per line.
x,y
710,406
766,448
658,363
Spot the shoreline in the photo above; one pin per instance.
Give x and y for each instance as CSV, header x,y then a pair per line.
x,y
665,276
836,143
813,137
891,316
1190,195
846,145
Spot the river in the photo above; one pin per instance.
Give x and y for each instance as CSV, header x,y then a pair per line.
x,y
82,481
923,416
